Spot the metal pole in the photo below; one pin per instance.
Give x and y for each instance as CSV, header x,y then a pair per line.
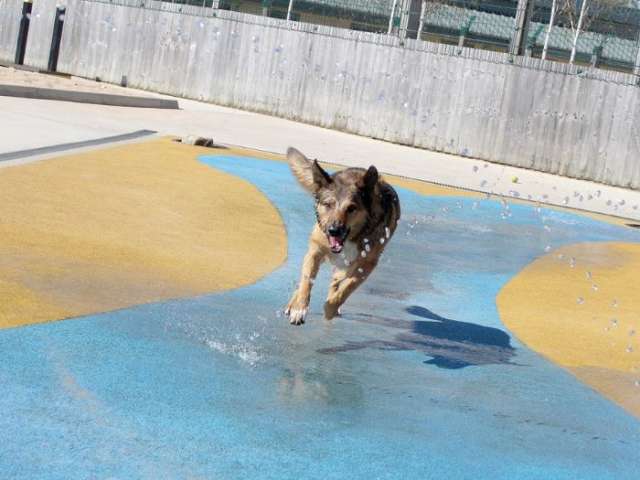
x,y
393,11
583,11
289,10
423,11
636,67
54,52
521,31
23,33
546,38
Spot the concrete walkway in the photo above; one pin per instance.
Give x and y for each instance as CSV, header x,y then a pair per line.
x,y
27,124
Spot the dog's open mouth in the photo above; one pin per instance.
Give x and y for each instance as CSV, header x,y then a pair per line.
x,y
336,243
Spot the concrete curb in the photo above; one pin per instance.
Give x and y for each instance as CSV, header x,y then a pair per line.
x,y
4,157
86,97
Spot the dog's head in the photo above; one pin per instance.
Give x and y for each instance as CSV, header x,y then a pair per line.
x,y
343,200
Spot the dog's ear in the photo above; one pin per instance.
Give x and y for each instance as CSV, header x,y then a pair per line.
x,y
309,173
370,178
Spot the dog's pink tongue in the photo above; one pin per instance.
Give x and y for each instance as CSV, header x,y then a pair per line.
x,y
335,243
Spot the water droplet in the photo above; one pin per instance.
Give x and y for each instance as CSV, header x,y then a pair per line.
x,y
580,300
387,232
381,240
598,193
475,169
614,304
629,349
566,200
367,248
608,203
360,270
366,240
547,228
632,332
614,322
547,248
621,202
572,262
483,183
588,274
363,254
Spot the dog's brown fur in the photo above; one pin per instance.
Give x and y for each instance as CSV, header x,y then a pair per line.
x,y
365,211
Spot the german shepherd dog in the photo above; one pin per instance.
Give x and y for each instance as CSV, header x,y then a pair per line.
x,y
357,213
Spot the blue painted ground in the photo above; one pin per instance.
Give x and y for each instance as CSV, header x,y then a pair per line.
x,y
419,380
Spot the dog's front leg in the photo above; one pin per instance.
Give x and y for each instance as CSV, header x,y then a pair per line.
x,y
343,284
299,304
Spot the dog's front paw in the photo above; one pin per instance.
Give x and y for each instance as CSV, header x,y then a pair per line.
x,y
331,310
296,315
296,311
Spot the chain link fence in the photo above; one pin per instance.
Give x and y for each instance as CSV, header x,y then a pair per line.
x,y
597,33
600,33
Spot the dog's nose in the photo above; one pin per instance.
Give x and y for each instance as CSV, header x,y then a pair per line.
x,y
336,230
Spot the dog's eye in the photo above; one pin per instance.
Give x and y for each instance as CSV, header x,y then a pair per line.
x,y
327,204
351,208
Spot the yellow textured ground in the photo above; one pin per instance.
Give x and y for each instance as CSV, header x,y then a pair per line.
x,y
584,318
111,228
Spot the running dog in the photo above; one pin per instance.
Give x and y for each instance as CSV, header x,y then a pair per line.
x,y
357,213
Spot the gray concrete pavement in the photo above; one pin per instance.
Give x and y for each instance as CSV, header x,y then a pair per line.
x,y
26,124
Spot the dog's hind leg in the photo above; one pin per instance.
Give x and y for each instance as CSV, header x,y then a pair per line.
x,y
299,304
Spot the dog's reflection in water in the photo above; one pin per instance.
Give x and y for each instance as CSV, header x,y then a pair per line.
x,y
320,386
449,343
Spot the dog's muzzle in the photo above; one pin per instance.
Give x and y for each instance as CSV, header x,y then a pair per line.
x,y
336,234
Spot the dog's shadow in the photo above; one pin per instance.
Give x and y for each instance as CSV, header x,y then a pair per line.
x,y
450,343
